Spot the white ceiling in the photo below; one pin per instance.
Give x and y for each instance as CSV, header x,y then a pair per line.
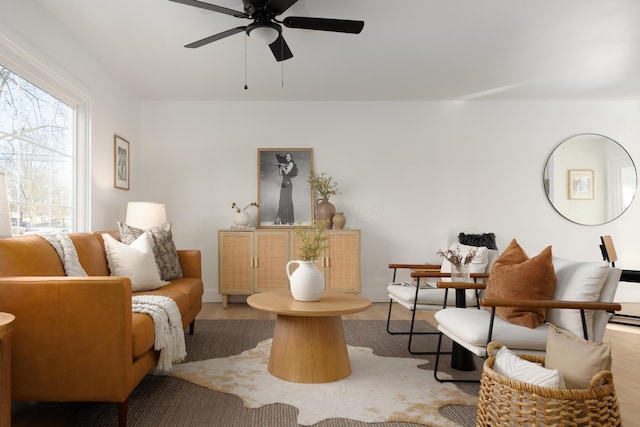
x,y
408,50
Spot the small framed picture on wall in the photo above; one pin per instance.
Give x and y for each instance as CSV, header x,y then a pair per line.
x,y
581,184
122,171
284,192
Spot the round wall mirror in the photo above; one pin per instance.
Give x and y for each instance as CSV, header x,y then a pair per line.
x,y
590,179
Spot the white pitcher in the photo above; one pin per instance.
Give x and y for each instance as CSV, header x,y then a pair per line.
x,y
307,282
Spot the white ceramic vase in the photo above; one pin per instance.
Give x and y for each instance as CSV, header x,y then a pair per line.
x,y
306,282
241,219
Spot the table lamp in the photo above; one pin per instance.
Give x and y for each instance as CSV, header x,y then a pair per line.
x,y
145,215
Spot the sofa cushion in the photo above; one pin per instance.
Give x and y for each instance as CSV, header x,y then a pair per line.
x,y
90,253
164,248
578,359
29,256
143,334
516,276
577,281
135,261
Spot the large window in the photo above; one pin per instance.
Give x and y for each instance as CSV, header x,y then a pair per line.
x,y
44,143
37,155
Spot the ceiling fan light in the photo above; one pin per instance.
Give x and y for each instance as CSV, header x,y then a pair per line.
x,y
264,34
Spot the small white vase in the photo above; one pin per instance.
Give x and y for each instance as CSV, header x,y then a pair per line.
x,y
241,219
307,282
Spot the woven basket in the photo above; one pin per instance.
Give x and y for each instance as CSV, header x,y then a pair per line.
x,y
507,402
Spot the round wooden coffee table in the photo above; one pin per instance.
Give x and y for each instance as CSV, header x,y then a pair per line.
x,y
308,340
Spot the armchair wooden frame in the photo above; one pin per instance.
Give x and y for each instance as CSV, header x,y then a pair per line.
x,y
493,303
633,276
422,271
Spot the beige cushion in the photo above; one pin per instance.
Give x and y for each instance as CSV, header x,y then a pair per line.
x,y
576,358
512,366
516,276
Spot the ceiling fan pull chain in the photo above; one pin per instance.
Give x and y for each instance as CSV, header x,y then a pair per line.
x,y
282,62
245,63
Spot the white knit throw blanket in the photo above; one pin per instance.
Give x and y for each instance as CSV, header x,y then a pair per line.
x,y
168,324
66,250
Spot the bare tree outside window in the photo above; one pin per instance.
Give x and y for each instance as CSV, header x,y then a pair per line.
x,y
37,155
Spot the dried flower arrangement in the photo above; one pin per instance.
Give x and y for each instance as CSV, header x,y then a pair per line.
x,y
235,206
323,184
454,256
313,241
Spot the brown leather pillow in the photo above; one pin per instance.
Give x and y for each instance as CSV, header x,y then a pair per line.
x,y
516,276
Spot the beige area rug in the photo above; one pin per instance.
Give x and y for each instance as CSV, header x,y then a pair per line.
x,y
380,389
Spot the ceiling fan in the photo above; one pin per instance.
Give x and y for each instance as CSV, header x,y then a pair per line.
x,y
266,29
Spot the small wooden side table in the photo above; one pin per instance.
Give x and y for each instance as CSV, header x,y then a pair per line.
x,y
6,330
308,341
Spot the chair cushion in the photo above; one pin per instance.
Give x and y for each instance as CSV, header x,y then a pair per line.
x,y
516,276
576,281
510,365
578,359
470,327
429,298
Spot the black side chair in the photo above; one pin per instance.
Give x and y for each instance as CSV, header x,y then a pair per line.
x,y
609,254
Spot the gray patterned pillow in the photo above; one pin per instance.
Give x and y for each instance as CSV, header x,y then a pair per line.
x,y
164,250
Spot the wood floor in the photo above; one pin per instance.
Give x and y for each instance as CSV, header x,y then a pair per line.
x,y
625,342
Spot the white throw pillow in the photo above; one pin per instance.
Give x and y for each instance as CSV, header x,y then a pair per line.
x,y
478,263
510,365
135,261
576,281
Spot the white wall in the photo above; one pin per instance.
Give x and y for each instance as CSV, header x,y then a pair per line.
x,y
412,175
113,108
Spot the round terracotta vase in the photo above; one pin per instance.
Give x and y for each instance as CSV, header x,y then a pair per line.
x,y
339,220
325,211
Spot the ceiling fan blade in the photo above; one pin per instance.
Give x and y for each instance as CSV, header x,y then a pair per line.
x,y
280,49
215,37
324,24
212,7
280,6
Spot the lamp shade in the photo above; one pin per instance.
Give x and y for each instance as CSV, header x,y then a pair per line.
x,y
145,215
5,215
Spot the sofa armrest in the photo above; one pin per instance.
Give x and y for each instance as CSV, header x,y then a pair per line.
x,y
72,337
190,262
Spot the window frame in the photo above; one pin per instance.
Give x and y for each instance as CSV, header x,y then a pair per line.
x,y
48,77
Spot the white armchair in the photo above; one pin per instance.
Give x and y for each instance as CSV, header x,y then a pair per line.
x,y
419,290
581,303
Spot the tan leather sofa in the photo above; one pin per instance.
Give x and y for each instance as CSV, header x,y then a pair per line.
x,y
76,338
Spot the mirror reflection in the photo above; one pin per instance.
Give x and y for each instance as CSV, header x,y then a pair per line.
x,y
590,179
